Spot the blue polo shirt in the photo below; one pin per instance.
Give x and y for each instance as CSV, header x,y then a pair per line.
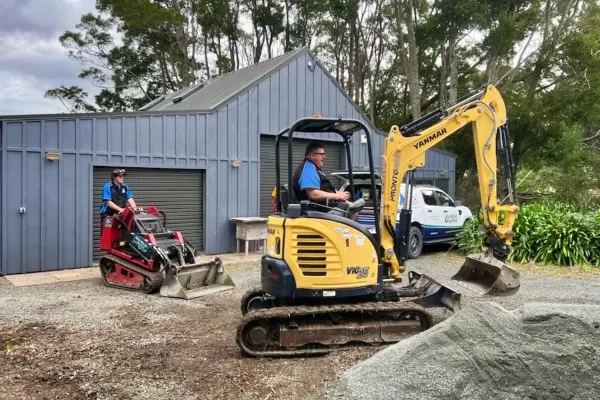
x,y
309,177
113,192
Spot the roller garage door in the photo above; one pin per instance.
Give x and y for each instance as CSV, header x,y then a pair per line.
x,y
333,150
177,192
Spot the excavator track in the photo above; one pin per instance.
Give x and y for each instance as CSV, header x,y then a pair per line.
x,y
317,330
152,280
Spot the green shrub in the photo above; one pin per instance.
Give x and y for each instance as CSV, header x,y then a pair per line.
x,y
471,237
547,232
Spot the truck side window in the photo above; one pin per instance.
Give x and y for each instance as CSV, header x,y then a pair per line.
x,y
445,201
429,197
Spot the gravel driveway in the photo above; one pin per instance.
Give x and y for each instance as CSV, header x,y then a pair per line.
x,y
83,340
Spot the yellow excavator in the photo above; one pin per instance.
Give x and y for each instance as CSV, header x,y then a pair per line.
x,y
328,284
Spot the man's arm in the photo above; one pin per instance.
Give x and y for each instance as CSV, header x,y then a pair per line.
x,y
130,200
317,194
310,181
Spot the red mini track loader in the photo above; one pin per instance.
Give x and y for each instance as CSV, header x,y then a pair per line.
x,y
141,254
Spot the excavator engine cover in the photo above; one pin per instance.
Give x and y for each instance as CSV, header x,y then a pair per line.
x,y
486,275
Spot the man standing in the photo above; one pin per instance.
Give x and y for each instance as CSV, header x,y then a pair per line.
x,y
310,182
116,195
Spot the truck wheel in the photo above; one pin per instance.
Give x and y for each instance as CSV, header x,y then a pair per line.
x,y
415,242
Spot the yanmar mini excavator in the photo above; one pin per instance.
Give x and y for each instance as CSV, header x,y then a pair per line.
x,y
328,284
142,254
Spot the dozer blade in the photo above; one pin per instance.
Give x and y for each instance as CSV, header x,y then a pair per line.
x,y
196,280
486,275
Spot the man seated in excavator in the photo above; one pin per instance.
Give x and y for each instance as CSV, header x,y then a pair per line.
x,y
311,183
327,283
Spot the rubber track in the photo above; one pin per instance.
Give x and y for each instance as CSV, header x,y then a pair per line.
x,y
156,278
286,313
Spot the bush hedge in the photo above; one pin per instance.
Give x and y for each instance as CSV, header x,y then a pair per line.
x,y
547,232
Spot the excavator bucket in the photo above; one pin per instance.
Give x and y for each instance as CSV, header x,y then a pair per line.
x,y
195,280
486,275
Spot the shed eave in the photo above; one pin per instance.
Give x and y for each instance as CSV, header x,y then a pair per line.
x,y
21,117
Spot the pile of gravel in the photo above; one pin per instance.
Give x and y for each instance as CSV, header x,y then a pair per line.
x,y
540,351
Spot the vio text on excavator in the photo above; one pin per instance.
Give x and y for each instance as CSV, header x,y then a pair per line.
x,y
328,284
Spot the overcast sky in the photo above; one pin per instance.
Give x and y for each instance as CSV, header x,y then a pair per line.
x,y
31,57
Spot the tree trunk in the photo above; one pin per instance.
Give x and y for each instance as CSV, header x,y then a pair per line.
x,y
358,60
232,55
491,69
443,76
413,63
453,66
544,50
286,45
350,89
206,55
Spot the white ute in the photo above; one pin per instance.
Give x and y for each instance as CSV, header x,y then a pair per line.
x,y
436,218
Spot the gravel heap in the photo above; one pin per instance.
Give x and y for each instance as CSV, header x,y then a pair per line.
x,y
539,351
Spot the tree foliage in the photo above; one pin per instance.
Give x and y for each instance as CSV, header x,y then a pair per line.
x,y
397,59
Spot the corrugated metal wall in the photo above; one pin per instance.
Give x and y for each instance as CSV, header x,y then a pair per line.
x,y
56,230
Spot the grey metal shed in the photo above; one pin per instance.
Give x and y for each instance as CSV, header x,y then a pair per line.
x,y
203,145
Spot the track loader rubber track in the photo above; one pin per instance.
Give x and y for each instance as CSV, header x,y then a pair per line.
x,y
319,330
154,280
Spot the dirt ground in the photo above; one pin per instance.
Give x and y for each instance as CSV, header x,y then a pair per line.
x,y
142,352
81,340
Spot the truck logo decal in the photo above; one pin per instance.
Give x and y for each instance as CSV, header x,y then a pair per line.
x,y
431,137
360,272
451,218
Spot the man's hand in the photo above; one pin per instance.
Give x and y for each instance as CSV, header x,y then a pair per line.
x,y
342,196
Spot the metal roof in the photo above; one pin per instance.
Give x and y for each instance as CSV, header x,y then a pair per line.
x,y
211,94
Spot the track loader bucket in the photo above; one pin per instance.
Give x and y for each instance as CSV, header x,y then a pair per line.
x,y
195,280
486,275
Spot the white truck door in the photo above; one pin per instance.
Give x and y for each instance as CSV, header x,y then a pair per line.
x,y
450,214
433,216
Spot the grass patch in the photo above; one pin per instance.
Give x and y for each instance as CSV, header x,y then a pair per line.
x,y
242,267
4,281
555,271
529,270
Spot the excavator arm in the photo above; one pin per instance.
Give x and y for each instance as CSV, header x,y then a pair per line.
x,y
405,149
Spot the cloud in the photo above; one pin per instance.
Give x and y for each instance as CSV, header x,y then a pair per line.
x,y
42,17
31,58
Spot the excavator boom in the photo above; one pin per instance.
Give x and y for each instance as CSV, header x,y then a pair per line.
x,y
405,148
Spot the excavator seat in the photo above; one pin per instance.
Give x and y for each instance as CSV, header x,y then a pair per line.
x,y
349,211
284,198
